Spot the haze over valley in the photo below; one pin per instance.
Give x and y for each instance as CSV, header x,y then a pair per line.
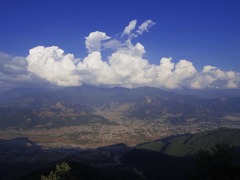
x,y
90,117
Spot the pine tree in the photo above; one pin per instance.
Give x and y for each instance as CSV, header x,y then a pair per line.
x,y
62,172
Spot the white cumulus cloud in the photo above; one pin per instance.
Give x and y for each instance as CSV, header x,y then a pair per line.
x,y
145,26
51,64
125,66
129,28
94,41
212,77
13,71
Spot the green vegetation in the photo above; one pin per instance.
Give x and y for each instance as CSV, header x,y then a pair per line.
x,y
153,146
190,144
62,172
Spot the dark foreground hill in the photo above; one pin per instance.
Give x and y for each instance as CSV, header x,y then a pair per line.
x,y
212,154
21,158
189,144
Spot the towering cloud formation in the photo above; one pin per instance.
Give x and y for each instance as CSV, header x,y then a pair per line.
x,y
93,41
53,65
215,78
125,67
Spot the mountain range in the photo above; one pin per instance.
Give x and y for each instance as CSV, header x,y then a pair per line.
x,y
30,108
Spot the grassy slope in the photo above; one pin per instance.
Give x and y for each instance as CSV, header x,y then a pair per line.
x,y
191,144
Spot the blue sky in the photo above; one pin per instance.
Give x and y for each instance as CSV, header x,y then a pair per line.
x,y
205,32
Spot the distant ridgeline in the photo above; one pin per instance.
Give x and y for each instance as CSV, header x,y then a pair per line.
x,y
71,106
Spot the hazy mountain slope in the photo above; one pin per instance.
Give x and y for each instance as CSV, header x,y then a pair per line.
x,y
210,93
77,105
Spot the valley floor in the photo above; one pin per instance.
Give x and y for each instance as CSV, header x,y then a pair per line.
x,y
129,132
